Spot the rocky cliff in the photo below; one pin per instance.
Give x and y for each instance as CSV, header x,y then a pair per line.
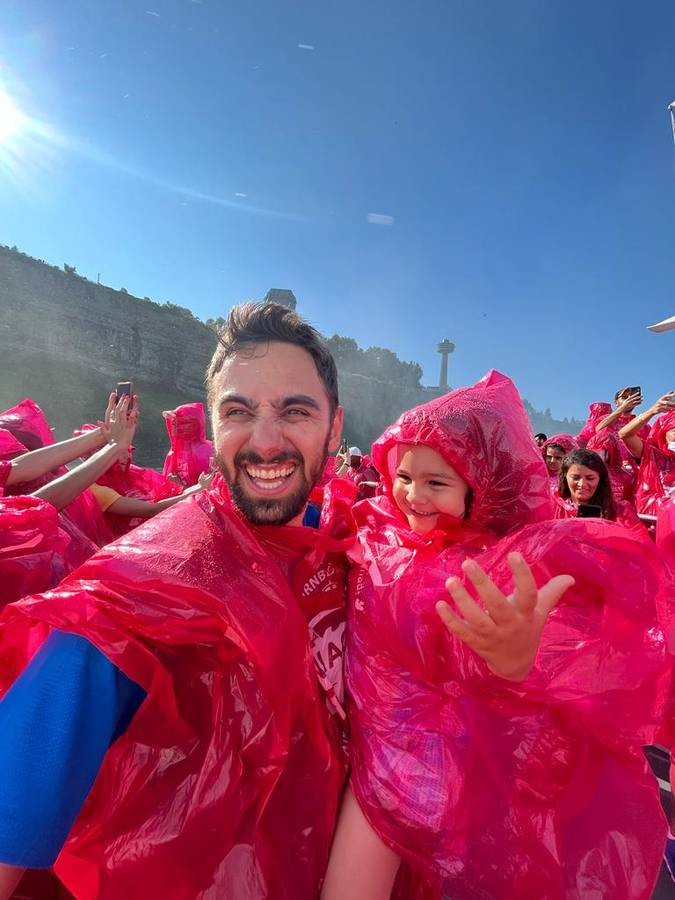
x,y
66,341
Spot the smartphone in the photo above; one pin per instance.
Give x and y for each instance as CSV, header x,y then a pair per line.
x,y
589,511
125,389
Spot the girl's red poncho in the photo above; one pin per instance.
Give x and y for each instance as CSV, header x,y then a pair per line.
x,y
488,788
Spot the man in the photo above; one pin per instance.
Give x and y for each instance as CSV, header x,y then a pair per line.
x,y
194,673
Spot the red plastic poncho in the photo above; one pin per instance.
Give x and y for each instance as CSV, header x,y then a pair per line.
x,y
489,788
130,480
328,473
28,424
566,441
9,446
366,472
622,468
35,553
656,479
190,452
599,411
227,781
81,519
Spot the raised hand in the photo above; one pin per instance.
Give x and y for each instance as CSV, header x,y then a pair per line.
x,y
205,480
507,631
664,404
120,424
628,404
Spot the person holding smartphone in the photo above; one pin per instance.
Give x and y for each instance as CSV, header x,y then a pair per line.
x,y
585,491
656,480
601,415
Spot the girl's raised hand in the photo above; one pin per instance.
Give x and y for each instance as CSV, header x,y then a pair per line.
x,y
507,631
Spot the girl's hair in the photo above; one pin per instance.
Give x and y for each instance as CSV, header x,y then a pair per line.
x,y
603,492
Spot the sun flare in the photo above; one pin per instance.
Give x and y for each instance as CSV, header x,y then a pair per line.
x,y
12,121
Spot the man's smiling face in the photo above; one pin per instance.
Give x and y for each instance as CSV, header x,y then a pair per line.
x,y
272,430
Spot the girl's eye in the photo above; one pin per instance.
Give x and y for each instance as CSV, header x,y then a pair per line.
x,y
404,478
438,484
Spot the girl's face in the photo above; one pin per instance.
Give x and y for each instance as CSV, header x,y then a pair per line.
x,y
582,482
425,486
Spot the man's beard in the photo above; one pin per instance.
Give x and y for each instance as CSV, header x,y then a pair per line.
x,y
276,510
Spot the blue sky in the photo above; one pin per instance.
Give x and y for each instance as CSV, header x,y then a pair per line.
x,y
519,155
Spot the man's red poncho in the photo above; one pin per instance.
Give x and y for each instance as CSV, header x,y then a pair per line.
x,y
656,479
227,781
190,452
485,787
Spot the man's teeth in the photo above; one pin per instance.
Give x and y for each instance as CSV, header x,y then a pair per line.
x,y
270,474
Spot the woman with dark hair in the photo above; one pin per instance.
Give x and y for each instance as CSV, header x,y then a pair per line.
x,y
584,479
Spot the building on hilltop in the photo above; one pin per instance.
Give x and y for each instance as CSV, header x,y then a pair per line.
x,y
281,296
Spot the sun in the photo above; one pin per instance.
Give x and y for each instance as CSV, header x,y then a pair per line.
x,y
12,121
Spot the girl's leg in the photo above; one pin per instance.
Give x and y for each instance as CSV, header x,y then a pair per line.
x,y
361,867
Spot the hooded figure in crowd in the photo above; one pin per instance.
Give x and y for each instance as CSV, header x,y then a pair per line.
x,y
621,415
656,479
553,451
485,781
190,454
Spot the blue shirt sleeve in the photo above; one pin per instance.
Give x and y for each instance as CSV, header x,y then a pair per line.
x,y
57,722
312,516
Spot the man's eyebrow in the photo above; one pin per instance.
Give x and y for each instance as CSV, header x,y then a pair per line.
x,y
231,397
296,400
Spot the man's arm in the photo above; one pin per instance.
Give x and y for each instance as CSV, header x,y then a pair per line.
x,y
57,722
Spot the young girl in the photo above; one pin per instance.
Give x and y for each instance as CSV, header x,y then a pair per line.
x,y
497,755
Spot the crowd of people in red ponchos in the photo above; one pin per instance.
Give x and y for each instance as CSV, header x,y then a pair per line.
x,y
507,652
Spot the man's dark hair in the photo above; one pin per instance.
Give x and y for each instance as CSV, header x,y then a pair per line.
x,y
603,493
261,323
540,435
